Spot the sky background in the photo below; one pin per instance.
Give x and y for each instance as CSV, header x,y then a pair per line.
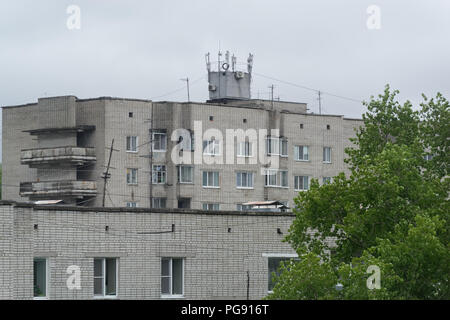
x,y
141,49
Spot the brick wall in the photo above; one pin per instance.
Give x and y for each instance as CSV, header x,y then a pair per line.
x,y
216,261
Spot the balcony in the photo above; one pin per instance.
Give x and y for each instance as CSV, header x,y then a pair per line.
x,y
58,189
67,155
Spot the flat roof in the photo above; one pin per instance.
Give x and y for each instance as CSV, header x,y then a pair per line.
x,y
142,210
249,104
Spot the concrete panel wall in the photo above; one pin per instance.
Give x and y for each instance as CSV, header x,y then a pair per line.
x,y
15,121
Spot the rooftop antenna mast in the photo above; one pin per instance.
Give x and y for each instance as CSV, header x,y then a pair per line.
x,y
320,101
187,84
271,89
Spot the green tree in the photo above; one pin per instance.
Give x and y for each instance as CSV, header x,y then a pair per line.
x,y
392,211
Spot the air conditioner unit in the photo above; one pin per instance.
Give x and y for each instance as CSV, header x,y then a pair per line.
x,y
212,87
239,75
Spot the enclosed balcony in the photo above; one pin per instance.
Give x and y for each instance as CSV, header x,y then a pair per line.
x,y
58,189
58,155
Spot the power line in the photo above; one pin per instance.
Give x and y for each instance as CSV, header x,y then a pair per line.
x,y
177,90
308,88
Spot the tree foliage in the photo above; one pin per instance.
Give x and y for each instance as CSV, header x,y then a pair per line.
x,y
391,211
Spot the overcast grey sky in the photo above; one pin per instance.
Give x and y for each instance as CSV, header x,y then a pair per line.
x,y
140,49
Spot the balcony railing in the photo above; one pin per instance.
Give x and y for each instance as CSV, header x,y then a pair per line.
x,y
58,189
43,156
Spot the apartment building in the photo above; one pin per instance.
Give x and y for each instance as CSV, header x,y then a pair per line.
x,y
165,154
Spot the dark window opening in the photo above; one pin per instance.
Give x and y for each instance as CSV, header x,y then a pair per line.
x,y
184,203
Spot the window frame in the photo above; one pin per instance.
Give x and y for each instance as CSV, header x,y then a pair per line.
x,y
296,178
206,148
130,204
281,144
287,256
324,153
130,174
47,280
297,153
162,172
159,199
248,173
180,175
243,147
207,179
278,178
212,204
104,296
136,142
171,295
162,134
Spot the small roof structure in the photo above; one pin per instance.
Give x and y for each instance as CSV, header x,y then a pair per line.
x,y
40,202
266,204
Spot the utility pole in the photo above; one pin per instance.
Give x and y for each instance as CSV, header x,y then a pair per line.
x,y
187,82
106,174
248,285
320,101
151,157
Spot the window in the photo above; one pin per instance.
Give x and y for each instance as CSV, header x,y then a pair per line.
x,y
276,146
131,204
301,153
245,149
184,203
326,180
274,267
172,277
211,118
276,178
301,182
211,179
132,144
327,154
284,147
159,139
184,145
244,179
241,207
211,147
40,278
210,206
301,125
130,114
159,174
185,174
105,277
328,127
132,176
159,203
244,120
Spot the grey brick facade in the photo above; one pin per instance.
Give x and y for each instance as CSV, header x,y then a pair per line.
x,y
219,248
54,123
